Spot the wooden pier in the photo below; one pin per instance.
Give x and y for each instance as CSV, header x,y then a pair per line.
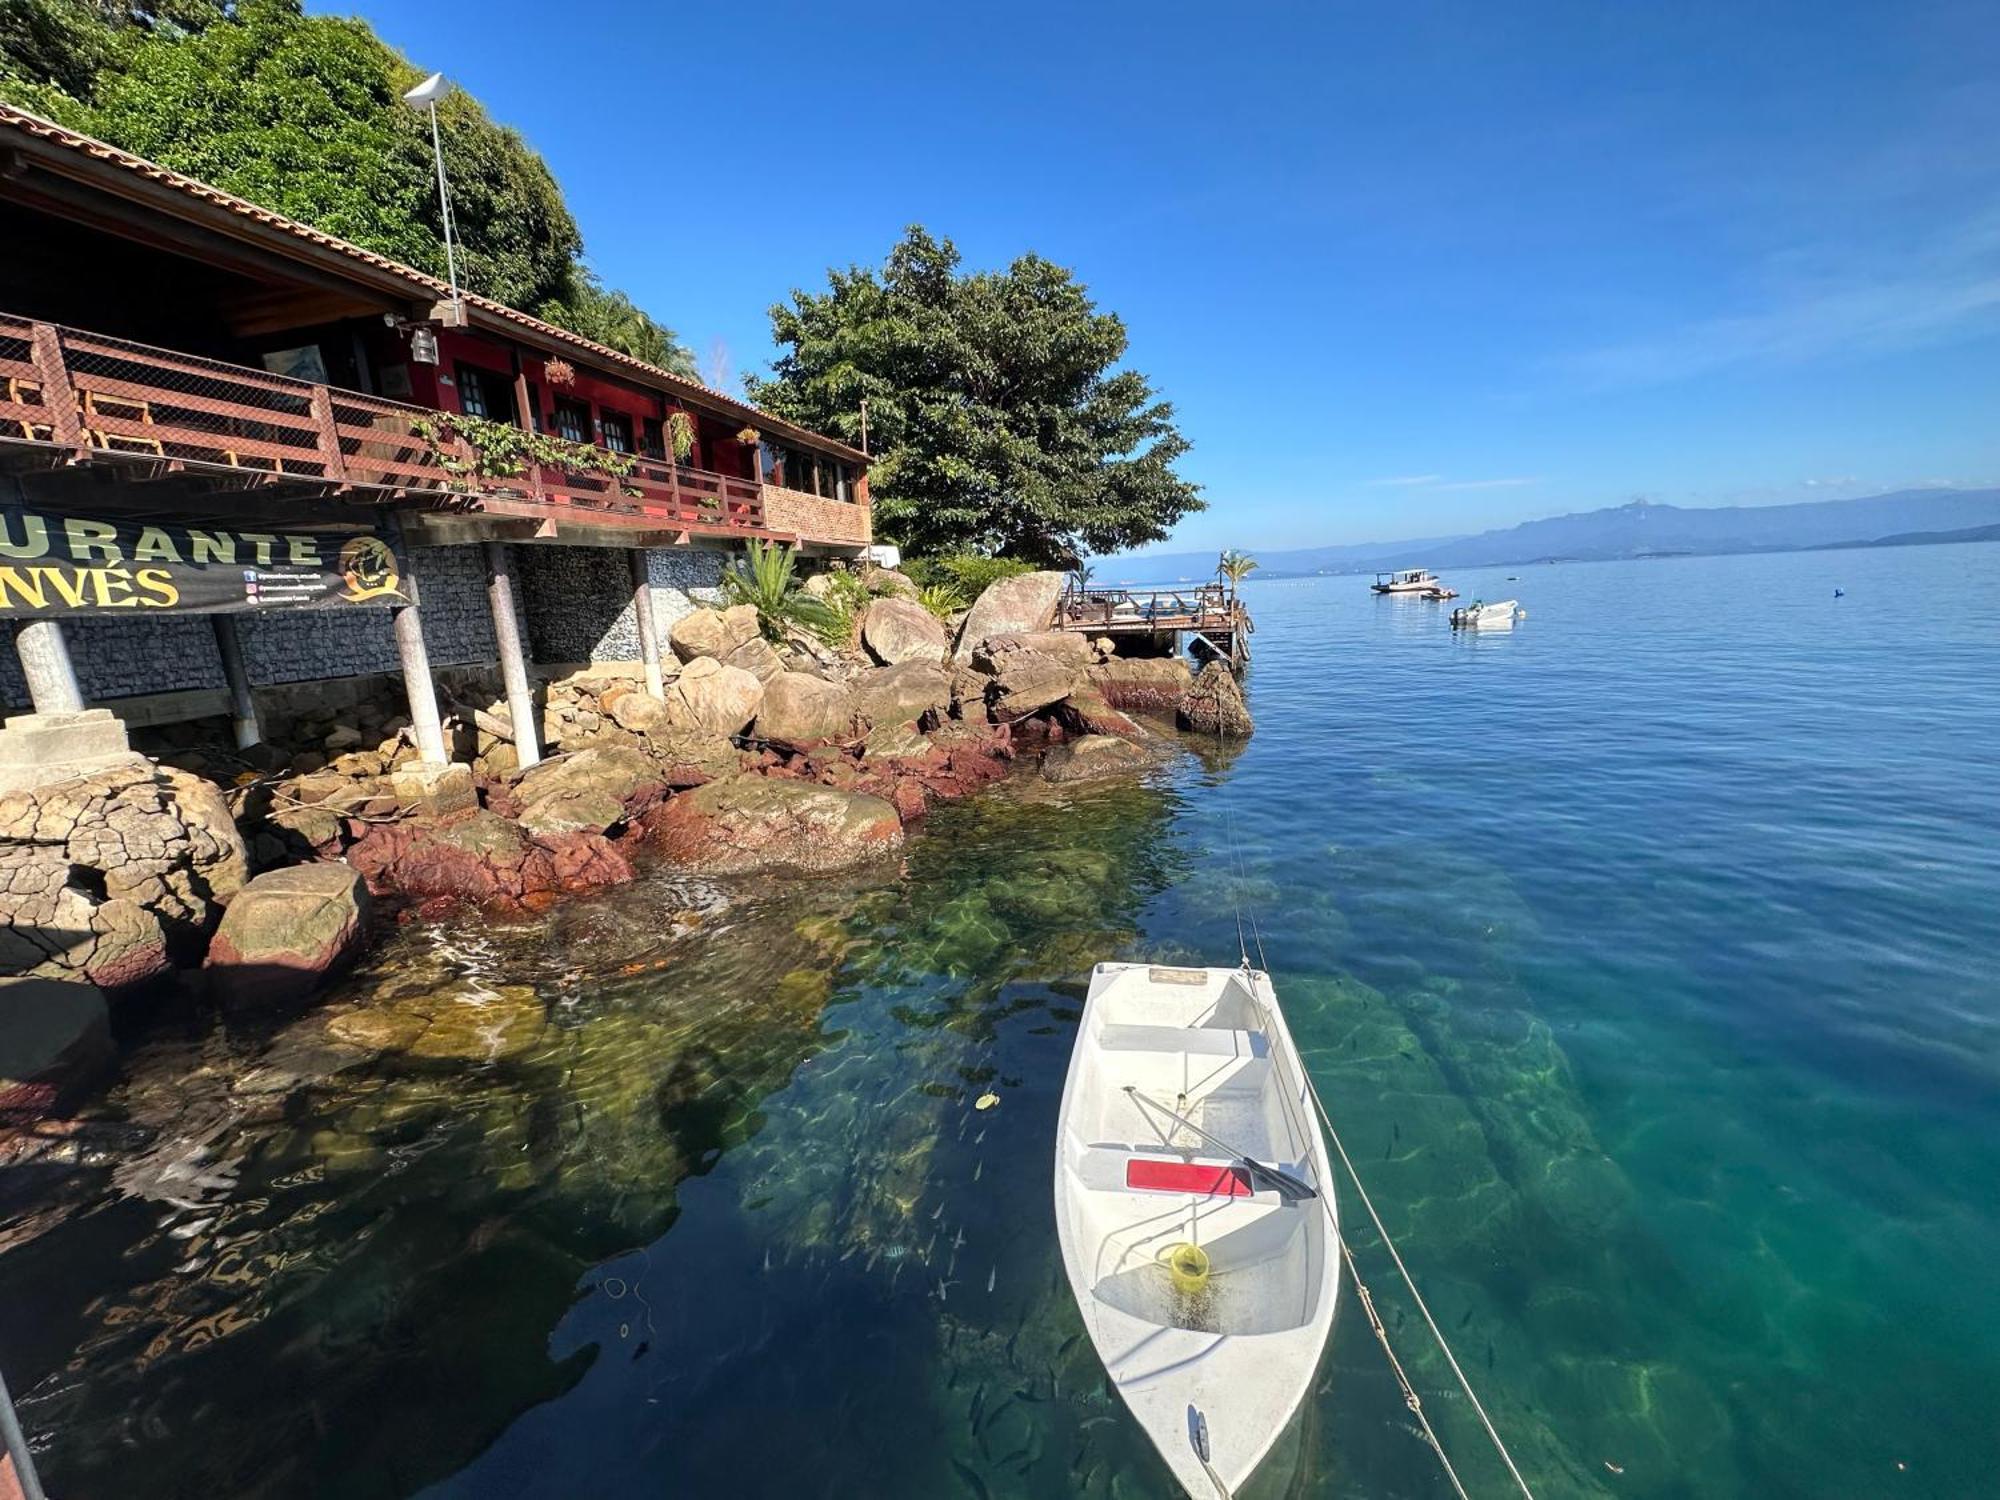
x,y
1209,616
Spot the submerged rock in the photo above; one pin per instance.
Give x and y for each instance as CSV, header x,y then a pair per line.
x,y
55,1039
733,827
453,1024
1092,756
1214,704
286,932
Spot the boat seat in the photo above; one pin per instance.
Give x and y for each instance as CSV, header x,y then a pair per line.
x,y
1199,1041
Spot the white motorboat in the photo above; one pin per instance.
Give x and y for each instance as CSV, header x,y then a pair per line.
x,y
1410,581
1481,616
1195,1212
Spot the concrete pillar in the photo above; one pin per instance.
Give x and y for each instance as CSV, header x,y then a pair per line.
x,y
417,685
642,608
45,663
242,706
513,661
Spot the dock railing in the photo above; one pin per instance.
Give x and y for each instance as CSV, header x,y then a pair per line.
x,y
1204,606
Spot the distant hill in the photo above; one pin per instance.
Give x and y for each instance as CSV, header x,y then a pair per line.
x,y
1640,529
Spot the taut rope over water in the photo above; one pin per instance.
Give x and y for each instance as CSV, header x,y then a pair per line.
x,y
1410,1397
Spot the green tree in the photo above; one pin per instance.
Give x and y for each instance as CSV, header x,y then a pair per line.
x,y
303,115
996,410
1235,566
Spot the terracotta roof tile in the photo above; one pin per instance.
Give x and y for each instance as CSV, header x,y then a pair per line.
x,y
86,146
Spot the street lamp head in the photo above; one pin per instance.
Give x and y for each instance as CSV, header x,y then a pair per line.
x,y
429,92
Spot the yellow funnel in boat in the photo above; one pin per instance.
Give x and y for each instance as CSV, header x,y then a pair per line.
x,y
1187,1268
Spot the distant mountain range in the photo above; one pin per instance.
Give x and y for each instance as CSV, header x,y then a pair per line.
x,y
1640,529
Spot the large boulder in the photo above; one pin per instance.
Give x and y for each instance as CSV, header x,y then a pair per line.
x,y
1025,681
756,656
896,630
1214,705
879,580
757,823
111,877
1064,645
902,693
1143,684
636,712
800,710
1086,712
285,932
713,632
482,859
588,791
1009,607
709,695
1092,756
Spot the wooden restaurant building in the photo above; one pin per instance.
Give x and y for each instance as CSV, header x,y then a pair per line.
x,y
239,455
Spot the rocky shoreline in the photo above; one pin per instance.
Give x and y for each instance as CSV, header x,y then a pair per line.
x,y
255,877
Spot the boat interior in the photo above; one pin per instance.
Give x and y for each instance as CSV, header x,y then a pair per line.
x,y
1192,1043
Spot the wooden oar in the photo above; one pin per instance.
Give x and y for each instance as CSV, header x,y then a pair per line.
x,y
1283,1184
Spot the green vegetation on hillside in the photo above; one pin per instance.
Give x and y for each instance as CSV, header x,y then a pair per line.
x,y
999,419
303,115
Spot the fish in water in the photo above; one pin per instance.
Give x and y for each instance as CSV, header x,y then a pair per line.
x,y
1466,1319
991,1277
977,1169
972,1479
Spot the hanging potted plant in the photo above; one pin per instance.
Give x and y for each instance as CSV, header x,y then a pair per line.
x,y
680,436
748,437
559,371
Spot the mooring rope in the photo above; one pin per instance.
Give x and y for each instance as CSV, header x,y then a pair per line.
x,y
1410,1397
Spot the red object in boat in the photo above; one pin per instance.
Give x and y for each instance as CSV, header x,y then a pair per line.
x,y
1187,1177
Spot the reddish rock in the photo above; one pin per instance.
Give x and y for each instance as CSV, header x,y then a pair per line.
x,y
285,932
483,860
1085,712
759,823
1143,684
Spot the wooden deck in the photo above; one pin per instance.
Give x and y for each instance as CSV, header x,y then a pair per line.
x,y
1208,614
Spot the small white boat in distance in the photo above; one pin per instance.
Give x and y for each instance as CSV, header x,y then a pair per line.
x,y
1409,581
1195,1212
1480,616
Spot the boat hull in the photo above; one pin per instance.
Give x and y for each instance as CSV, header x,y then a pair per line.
x,y
1134,1185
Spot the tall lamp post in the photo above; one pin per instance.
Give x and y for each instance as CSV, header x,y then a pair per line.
x,y
426,96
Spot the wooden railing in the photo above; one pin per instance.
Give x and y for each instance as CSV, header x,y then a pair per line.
x,y
97,396
1203,606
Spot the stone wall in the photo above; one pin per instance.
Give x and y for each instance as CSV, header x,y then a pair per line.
x,y
579,599
119,657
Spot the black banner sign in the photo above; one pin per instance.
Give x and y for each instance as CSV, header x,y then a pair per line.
x,y
59,565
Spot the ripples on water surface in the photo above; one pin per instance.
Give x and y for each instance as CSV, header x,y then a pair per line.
x,y
1645,955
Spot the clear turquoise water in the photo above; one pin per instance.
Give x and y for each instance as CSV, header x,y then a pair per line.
x,y
1645,955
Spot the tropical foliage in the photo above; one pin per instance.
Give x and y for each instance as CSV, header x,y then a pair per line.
x,y
968,572
766,577
997,411
942,599
302,114
1235,566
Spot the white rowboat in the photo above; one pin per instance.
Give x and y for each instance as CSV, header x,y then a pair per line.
x,y
1205,1276
1481,616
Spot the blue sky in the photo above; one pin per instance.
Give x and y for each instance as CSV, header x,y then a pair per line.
x,y
1404,270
